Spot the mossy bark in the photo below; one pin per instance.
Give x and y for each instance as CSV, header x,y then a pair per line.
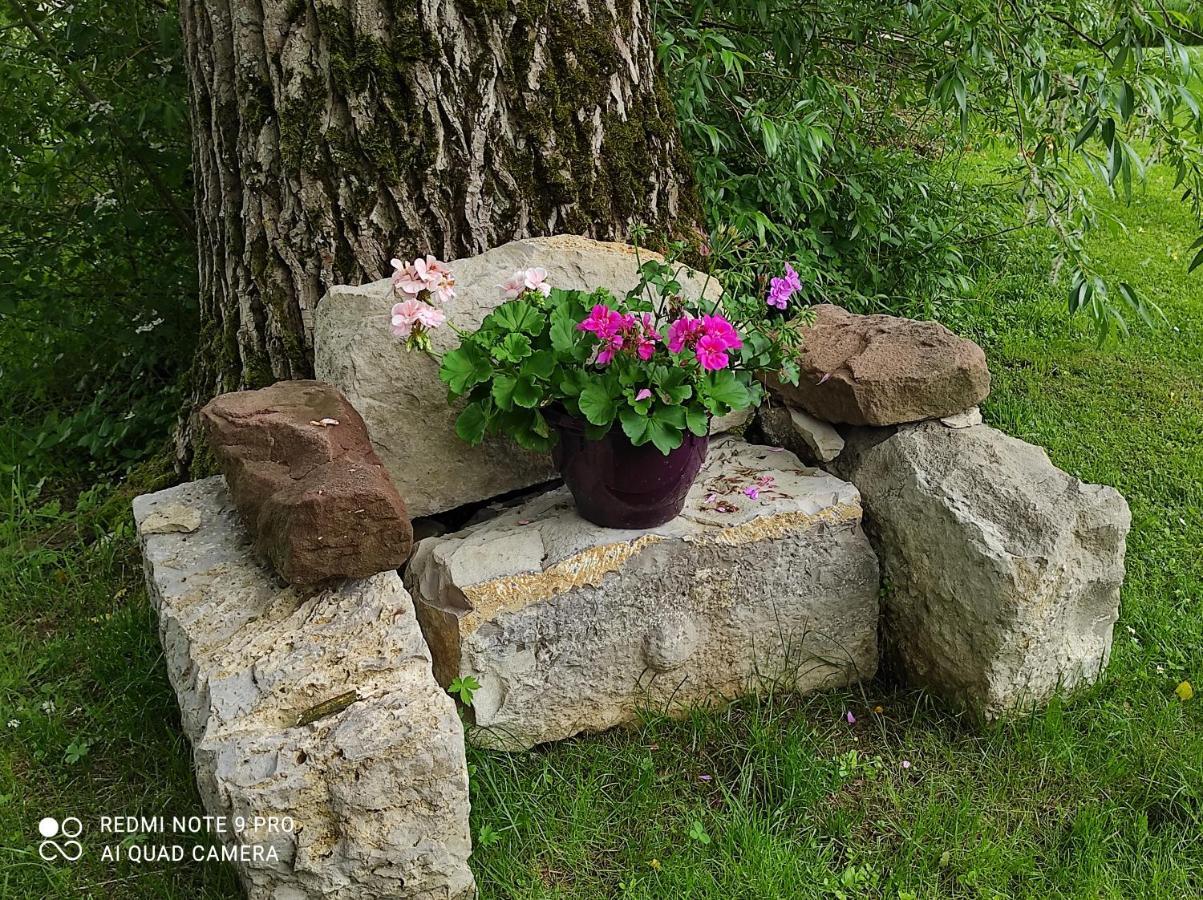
x,y
331,135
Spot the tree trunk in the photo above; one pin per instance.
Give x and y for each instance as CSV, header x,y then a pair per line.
x,y
331,135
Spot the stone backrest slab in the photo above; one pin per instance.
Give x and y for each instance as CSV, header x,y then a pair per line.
x,y
570,627
399,394
318,705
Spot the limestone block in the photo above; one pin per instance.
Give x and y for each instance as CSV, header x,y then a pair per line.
x,y
319,706
570,627
813,440
1004,571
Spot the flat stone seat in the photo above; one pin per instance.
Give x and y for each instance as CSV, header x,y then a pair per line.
x,y
315,707
569,627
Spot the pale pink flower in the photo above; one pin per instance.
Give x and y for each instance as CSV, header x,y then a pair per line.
x,y
536,280
410,314
405,315
752,492
906,764
513,286
429,317
643,394
522,280
406,279
851,718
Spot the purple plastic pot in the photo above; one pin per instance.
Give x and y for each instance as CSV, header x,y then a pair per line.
x,y
618,485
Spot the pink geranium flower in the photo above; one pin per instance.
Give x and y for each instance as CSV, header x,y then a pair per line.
x,y
718,327
406,279
429,317
536,280
711,353
411,314
424,274
683,331
643,394
782,289
523,280
603,322
405,315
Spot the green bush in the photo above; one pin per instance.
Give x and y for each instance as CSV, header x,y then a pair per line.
x,y
810,137
97,260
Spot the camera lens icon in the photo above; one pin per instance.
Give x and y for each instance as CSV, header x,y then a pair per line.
x,y
70,828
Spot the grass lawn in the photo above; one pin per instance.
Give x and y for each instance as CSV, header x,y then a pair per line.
x,y
1101,795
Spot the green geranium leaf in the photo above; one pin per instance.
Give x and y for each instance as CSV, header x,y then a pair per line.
x,y
565,336
697,421
725,392
597,404
596,432
526,393
503,391
471,423
666,436
634,425
528,428
540,364
464,368
670,415
673,388
573,382
790,372
516,316
513,348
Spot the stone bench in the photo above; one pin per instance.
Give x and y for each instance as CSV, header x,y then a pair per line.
x,y
569,627
317,706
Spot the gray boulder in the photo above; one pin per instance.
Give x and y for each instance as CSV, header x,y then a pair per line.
x,y
1004,572
570,627
313,709
399,394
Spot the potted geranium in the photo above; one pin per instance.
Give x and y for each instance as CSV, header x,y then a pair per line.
x,y
620,390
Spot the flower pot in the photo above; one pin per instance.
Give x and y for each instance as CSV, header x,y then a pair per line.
x,y
618,485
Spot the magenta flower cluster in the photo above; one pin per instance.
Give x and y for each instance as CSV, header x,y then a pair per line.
x,y
709,337
618,331
781,289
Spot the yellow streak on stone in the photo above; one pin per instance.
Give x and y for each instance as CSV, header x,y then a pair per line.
x,y
770,528
589,567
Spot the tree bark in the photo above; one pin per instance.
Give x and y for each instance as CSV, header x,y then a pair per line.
x,y
331,135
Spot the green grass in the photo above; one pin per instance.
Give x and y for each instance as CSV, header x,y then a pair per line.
x,y
1097,796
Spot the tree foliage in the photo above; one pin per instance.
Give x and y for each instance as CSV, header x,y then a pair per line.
x,y
832,129
97,267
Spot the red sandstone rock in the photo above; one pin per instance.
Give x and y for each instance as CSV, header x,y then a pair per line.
x,y
309,486
884,370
